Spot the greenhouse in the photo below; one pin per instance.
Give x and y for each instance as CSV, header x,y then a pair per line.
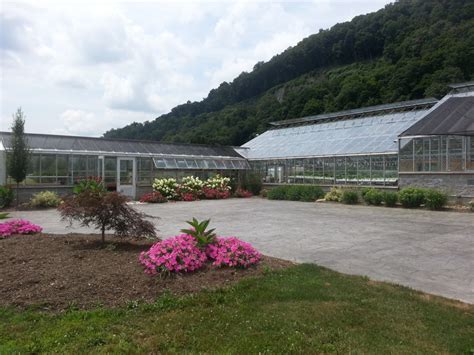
x,y
438,151
58,162
356,147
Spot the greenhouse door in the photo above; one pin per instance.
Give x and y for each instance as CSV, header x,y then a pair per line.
x,y
126,176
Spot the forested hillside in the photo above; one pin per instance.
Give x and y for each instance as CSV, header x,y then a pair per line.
x,y
408,50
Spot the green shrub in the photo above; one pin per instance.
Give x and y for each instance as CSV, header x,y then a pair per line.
x,y
412,197
6,196
304,193
311,193
91,183
334,195
45,199
364,191
435,200
390,199
252,182
373,197
277,193
293,193
350,197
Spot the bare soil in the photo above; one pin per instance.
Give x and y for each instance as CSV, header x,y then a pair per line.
x,y
54,272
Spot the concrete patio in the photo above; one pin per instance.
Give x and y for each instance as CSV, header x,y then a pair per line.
x,y
425,250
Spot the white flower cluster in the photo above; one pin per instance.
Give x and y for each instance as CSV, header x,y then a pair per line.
x,y
191,184
218,182
166,187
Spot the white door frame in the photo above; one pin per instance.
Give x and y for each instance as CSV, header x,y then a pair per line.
x,y
128,190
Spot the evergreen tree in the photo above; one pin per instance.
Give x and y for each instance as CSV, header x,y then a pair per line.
x,y
19,154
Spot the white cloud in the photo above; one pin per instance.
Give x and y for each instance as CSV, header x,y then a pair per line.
x,y
86,67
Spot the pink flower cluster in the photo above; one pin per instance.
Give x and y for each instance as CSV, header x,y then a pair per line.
x,y
232,252
215,194
18,226
187,196
177,254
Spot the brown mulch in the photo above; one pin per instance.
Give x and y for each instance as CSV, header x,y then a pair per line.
x,y
54,272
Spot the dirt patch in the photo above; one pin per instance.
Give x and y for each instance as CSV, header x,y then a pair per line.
x,y
55,272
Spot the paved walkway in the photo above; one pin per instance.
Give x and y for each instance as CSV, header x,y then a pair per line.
x,y
429,251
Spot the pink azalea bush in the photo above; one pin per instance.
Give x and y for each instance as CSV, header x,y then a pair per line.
x,y
215,194
18,226
177,254
232,252
242,193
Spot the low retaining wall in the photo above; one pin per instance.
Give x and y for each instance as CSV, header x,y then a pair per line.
x,y
26,192
456,185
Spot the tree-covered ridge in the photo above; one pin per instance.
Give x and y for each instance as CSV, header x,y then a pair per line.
x,y
408,50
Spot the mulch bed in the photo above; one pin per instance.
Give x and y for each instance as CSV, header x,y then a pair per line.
x,y
54,272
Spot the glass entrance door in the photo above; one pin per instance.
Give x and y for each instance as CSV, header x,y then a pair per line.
x,y
126,176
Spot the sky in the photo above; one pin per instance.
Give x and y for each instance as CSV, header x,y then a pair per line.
x,y
82,68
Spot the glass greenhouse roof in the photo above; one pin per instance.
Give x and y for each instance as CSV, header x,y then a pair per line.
x,y
71,144
366,135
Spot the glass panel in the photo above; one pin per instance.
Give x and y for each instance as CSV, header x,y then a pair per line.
x,y
126,172
391,170
426,154
62,166
144,170
34,165
418,154
455,154
444,153
79,166
329,170
340,170
220,164
171,163
351,170
191,163
110,172
299,171
308,171
211,164
377,171
159,163
229,165
470,153
406,155
48,165
290,165
363,170
92,166
318,169
181,163
435,154
201,163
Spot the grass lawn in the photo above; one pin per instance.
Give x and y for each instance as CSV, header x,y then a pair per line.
x,y
303,309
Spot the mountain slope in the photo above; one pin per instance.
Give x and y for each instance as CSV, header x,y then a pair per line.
x,y
408,50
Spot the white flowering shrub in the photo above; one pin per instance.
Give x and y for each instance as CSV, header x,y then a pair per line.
x,y
166,187
191,184
218,182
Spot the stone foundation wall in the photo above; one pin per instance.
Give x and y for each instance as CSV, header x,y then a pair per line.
x,y
455,185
